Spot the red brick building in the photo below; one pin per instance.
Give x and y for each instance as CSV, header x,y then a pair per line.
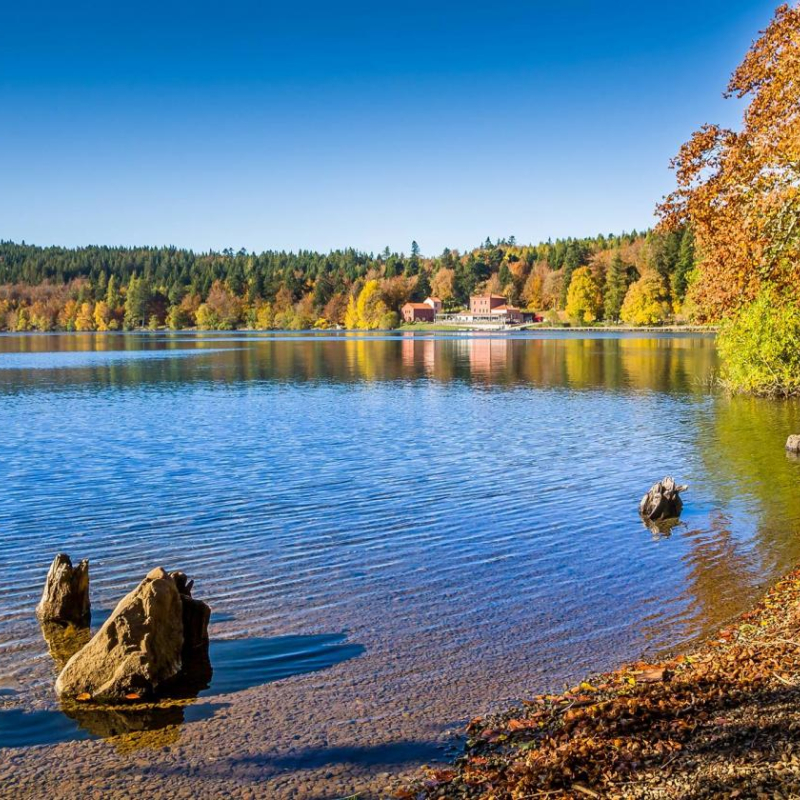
x,y
418,312
484,303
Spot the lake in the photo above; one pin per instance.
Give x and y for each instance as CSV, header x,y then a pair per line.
x,y
395,533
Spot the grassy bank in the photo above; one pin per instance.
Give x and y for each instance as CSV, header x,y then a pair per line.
x,y
720,721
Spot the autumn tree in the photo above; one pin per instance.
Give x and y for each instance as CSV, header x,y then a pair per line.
x,y
351,314
533,290
740,190
646,301
371,308
102,316
443,284
84,320
584,300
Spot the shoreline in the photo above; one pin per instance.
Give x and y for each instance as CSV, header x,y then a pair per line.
x,y
413,328
721,719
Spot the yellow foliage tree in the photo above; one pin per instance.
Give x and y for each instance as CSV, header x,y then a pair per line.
x,y
443,284
646,301
351,315
207,318
371,308
532,294
584,300
102,315
84,321
265,317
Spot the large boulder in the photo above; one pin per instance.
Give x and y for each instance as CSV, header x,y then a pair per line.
x,y
138,648
662,501
65,598
793,444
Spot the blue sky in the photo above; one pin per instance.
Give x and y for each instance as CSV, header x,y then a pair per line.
x,y
323,125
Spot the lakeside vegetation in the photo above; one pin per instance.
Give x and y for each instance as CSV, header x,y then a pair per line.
x,y
640,278
739,191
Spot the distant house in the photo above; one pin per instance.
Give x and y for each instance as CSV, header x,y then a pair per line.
x,y
508,313
435,303
418,312
483,304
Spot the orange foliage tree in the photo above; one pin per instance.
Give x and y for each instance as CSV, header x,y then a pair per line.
x,y
740,190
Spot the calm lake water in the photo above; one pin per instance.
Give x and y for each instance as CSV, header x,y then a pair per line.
x,y
395,533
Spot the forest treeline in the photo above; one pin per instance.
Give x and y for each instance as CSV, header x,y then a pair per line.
x,y
640,278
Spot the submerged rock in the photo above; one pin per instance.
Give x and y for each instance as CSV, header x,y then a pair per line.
x,y
138,648
63,641
65,597
793,444
662,501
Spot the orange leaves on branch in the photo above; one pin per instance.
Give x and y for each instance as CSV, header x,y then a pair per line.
x,y
740,190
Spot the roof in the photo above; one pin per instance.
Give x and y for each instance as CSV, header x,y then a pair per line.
x,y
435,299
492,296
419,306
496,309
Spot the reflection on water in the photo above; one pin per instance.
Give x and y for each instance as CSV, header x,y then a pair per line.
x,y
665,362
465,506
230,665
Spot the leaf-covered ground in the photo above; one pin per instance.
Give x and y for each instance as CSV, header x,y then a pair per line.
x,y
723,721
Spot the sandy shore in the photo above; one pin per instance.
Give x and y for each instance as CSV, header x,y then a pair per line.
x,y
721,721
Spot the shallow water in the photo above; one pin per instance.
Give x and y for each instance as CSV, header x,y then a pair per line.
x,y
462,507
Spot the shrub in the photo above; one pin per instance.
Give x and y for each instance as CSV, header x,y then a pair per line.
x,y
760,347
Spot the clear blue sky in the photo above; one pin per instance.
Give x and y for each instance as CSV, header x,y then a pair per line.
x,y
324,125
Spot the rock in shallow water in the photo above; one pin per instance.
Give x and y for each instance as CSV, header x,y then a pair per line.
x,y
793,444
138,648
65,597
662,501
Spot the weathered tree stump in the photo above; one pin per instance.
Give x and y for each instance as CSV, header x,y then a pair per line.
x,y
662,501
65,597
793,444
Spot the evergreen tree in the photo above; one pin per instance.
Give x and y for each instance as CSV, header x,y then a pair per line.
x,y
574,258
136,302
616,288
685,264
422,288
113,298
504,275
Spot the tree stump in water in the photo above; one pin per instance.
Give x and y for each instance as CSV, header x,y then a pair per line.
x,y
65,597
662,501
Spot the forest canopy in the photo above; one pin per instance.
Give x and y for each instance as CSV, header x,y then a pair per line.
x,y
110,288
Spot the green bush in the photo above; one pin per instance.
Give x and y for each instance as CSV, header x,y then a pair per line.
x,y
760,348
